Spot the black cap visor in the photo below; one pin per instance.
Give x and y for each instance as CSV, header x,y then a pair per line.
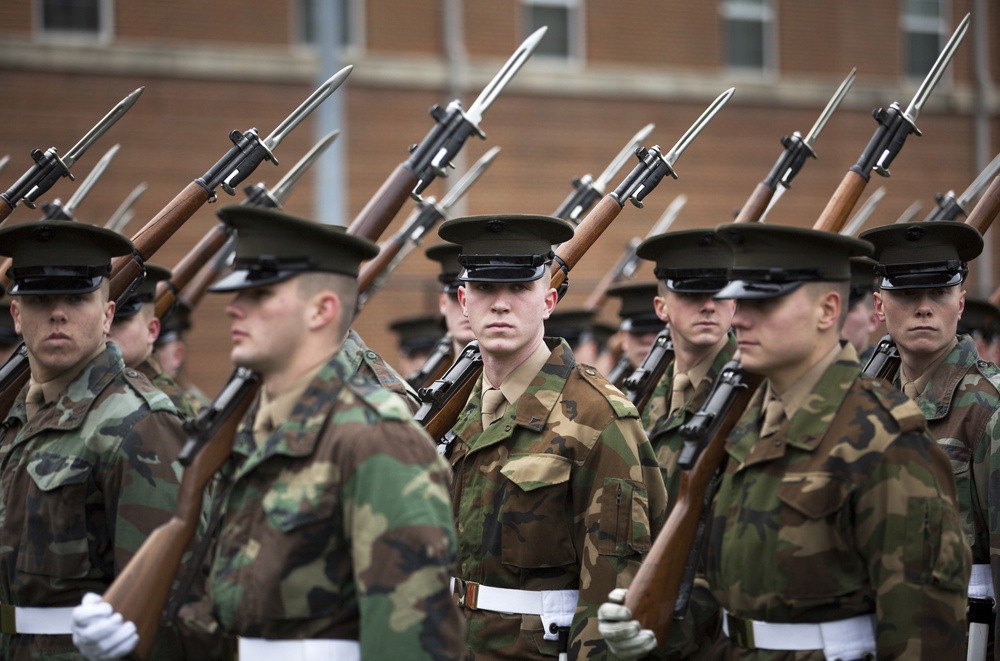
x,y
491,268
922,276
55,280
251,273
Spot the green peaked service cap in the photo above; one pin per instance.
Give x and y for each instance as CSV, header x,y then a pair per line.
x,y
637,313
273,246
689,261
446,254
924,254
773,260
418,333
59,257
505,247
144,293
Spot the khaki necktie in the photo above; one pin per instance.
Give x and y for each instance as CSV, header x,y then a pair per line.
x,y
493,399
910,389
677,396
34,400
774,415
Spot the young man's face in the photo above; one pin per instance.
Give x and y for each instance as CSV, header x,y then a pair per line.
x,y
135,336
637,345
698,320
921,321
776,336
267,324
63,330
508,317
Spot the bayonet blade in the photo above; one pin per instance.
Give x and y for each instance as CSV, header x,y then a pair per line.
x,y
119,219
623,157
285,185
831,105
934,75
470,177
306,107
77,150
4,161
675,152
669,216
977,186
864,212
910,213
504,76
89,181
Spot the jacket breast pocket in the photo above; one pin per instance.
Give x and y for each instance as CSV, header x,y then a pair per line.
x,y
537,515
55,539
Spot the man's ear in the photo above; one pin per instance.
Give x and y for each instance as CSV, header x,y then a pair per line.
x,y
461,300
878,303
829,308
324,308
661,309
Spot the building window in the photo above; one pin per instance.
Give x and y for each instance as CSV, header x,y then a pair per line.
x,y
74,17
563,39
748,29
925,31
348,19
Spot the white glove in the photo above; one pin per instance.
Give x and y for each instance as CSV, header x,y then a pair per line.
x,y
625,636
99,632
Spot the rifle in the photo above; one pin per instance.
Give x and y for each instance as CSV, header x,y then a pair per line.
x,y
438,148
443,400
438,360
865,212
59,211
909,213
797,149
629,261
661,587
197,270
639,386
247,152
587,190
949,206
428,212
894,125
139,592
663,582
885,360
49,167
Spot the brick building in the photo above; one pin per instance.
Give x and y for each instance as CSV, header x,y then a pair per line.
x,y
604,70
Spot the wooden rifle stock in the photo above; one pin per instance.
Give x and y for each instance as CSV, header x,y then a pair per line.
x,y
444,399
376,216
756,204
437,363
986,208
188,269
5,210
141,589
667,569
387,252
838,208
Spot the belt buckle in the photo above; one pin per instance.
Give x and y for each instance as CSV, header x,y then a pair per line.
x,y
8,620
468,595
740,631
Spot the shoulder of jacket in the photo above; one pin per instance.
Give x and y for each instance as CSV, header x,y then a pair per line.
x,y
140,386
900,408
380,401
622,407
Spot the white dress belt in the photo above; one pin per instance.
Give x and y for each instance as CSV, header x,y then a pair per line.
x,y
981,583
556,607
36,621
312,649
851,638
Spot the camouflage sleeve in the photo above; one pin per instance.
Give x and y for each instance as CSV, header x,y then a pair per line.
x,y
621,493
990,484
397,511
142,481
907,528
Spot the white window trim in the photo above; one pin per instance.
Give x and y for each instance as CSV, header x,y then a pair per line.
x,y
767,14
576,31
106,29
940,26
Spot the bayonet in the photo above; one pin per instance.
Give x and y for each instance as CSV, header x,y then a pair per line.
x,y
58,211
862,215
261,196
454,126
910,213
4,161
797,149
123,214
49,166
587,190
950,207
249,150
654,165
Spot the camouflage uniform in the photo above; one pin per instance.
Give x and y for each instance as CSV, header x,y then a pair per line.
x,y
369,365
560,493
83,484
187,404
338,527
849,511
961,404
663,428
